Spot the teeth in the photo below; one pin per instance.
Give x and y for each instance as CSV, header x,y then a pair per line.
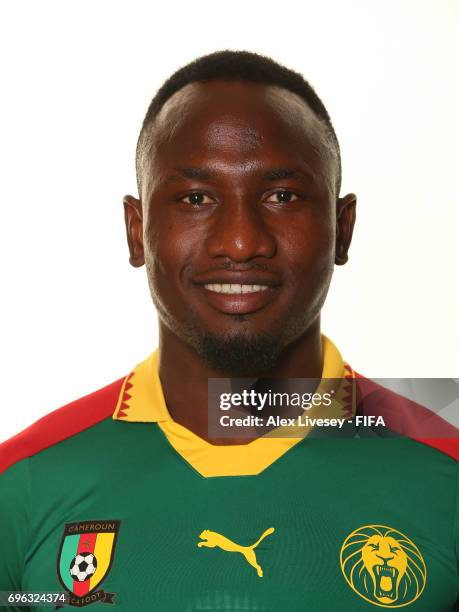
x,y
235,288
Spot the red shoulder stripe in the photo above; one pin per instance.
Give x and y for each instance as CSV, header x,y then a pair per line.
x,y
448,446
60,424
406,417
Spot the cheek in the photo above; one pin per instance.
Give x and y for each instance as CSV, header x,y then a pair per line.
x,y
310,249
169,250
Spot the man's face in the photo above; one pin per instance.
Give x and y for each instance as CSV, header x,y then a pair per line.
x,y
239,210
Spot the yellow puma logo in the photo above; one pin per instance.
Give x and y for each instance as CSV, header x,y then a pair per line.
x,y
211,539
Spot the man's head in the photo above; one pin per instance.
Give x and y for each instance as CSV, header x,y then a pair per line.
x,y
239,219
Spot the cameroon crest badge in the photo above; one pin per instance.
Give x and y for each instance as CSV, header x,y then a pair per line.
x,y
383,566
85,558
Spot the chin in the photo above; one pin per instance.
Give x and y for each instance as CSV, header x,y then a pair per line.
x,y
242,347
239,355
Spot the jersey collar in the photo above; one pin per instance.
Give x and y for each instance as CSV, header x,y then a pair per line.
x,y
142,400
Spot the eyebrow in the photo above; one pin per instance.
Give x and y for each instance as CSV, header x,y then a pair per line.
x,y
190,172
205,174
280,173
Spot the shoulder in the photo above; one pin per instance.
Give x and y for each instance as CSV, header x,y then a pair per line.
x,y
67,421
406,417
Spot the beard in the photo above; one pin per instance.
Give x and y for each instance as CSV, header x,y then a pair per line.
x,y
243,352
239,356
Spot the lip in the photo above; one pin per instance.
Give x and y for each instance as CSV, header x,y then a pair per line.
x,y
238,303
223,277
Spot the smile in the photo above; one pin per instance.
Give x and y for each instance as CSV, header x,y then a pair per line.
x,y
238,298
235,288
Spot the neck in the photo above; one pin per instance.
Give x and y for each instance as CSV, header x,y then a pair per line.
x,y
184,376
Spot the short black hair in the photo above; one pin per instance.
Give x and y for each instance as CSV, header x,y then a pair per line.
x,y
236,66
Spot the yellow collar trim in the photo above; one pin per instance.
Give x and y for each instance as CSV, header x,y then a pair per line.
x,y
142,400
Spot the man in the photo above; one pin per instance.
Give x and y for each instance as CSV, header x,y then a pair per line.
x,y
239,222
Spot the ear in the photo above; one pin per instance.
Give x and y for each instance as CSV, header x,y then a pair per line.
x,y
134,230
345,219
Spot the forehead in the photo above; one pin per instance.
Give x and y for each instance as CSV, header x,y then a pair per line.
x,y
239,124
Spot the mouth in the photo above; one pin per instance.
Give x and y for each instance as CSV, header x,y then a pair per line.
x,y
238,298
234,288
239,291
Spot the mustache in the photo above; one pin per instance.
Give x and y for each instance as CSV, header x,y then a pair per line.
x,y
240,267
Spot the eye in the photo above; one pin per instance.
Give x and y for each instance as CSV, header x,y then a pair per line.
x,y
374,546
282,197
197,198
394,549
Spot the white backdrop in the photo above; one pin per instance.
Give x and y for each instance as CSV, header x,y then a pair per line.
x,y
77,77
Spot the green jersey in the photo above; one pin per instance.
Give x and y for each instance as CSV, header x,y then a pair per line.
x,y
112,502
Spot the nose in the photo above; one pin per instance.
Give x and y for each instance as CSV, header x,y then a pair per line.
x,y
239,233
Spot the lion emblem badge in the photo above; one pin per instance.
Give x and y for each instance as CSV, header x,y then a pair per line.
x,y
383,566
